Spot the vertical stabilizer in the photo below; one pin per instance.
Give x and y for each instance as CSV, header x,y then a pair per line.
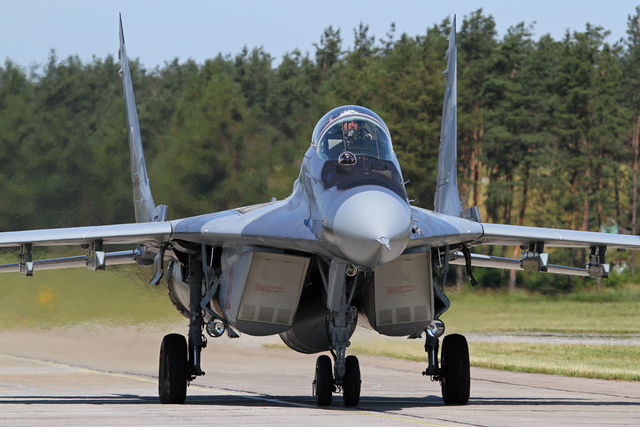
x,y
447,199
142,199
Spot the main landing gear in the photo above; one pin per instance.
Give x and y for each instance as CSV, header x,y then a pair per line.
x,y
454,372
179,362
172,378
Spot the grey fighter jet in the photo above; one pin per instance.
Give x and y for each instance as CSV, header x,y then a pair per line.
x,y
345,248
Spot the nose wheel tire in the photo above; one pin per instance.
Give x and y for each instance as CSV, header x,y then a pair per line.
x,y
323,383
351,382
456,376
172,376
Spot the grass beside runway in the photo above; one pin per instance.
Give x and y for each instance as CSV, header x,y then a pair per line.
x,y
120,296
614,311
610,362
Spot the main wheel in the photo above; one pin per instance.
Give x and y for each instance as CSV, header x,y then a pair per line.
x,y
323,383
172,376
456,376
351,382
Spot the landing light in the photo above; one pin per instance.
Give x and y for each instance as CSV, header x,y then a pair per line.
x,y
435,329
215,328
352,271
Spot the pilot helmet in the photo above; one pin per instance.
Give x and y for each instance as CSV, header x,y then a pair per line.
x,y
352,130
350,127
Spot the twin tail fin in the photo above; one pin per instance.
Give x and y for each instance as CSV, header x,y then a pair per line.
x,y
447,198
145,209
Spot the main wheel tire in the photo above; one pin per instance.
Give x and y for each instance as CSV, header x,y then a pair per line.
x,y
456,376
172,376
324,381
351,382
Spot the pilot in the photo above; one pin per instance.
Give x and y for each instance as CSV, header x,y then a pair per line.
x,y
352,131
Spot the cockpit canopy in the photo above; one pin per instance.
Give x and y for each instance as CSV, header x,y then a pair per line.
x,y
354,129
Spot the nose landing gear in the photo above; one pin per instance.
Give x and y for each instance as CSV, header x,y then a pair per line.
x,y
324,385
323,382
341,320
351,382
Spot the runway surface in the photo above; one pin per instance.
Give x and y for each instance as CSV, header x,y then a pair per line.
x,y
85,376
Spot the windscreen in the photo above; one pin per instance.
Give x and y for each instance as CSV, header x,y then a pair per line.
x,y
359,132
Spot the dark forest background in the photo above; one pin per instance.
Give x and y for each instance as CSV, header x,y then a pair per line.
x,y
547,129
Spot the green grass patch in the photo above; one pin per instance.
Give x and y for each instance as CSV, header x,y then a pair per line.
x,y
609,362
119,296
607,312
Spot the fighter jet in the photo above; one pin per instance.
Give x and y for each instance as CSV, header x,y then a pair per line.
x,y
345,248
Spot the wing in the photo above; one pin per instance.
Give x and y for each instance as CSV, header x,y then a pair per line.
x,y
513,235
151,233
281,225
533,240
431,229
434,229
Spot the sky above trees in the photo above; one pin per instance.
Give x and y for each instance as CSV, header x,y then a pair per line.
x,y
161,30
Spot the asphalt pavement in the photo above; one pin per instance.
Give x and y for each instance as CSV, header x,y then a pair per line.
x,y
90,376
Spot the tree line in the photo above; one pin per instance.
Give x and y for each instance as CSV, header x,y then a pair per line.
x,y
548,129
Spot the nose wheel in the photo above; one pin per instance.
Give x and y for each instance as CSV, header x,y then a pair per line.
x,y
324,384
351,382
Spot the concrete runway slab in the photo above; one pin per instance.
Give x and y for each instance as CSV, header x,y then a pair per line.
x,y
85,376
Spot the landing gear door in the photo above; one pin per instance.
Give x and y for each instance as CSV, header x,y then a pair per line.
x,y
404,302
260,291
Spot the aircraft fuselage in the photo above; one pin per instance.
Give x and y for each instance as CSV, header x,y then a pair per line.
x,y
357,205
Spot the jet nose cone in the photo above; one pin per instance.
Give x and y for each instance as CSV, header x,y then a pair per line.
x,y
372,227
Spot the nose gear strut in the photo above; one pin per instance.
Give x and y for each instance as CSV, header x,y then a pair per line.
x,y
340,319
